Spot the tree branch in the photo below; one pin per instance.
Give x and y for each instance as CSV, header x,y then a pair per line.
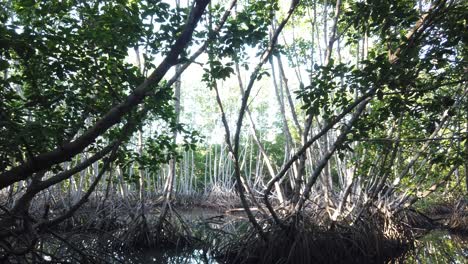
x,y
113,116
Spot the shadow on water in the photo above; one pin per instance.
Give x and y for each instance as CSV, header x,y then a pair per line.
x,y
187,256
437,246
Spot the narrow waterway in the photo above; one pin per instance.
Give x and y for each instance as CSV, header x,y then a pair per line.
x,y
435,247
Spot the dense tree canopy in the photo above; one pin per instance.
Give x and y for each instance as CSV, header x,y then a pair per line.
x,y
337,106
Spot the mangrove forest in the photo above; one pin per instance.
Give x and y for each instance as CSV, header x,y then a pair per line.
x,y
233,131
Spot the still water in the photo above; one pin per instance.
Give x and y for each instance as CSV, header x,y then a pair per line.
x,y
435,247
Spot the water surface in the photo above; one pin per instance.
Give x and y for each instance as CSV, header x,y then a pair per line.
x,y
436,247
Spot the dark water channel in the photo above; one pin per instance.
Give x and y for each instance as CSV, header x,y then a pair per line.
x,y
437,246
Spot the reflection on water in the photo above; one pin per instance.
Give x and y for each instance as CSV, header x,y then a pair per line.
x,y
435,247
439,247
193,256
101,252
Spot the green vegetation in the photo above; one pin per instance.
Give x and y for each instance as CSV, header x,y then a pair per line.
x,y
345,119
